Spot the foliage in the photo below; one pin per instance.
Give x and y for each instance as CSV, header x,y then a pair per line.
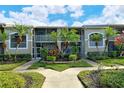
x,y
96,37
51,58
11,80
109,32
19,57
112,79
44,53
112,62
53,52
85,79
36,79
21,80
97,56
66,36
108,78
22,30
60,66
73,57
74,49
119,41
10,66
4,37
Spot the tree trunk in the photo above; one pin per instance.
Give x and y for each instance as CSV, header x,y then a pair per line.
x,y
16,52
106,46
97,47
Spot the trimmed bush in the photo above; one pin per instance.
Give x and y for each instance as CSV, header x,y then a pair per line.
x,y
51,58
97,56
72,57
11,80
20,57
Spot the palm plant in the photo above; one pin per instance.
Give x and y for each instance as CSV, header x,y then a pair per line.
x,y
109,32
69,36
4,37
65,35
22,30
96,37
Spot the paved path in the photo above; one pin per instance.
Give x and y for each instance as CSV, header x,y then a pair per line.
x,y
24,66
65,79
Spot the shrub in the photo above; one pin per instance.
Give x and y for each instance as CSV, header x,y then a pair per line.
x,y
11,80
113,54
44,53
36,79
73,57
112,79
97,56
20,57
51,58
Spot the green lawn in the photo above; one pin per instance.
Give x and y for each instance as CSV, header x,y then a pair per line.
x,y
11,66
104,79
60,66
21,80
111,62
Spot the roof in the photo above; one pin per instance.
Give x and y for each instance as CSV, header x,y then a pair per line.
x,y
104,26
83,26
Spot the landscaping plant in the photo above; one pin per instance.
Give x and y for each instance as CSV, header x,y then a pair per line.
x,y
96,37
44,53
21,30
4,37
109,32
119,42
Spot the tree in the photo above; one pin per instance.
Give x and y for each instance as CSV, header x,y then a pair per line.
x,y
65,35
69,36
109,32
119,41
22,30
96,37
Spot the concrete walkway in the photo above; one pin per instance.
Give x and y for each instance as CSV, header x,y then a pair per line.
x,y
65,79
24,66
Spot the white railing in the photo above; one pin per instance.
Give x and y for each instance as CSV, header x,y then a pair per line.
x,y
47,38
43,38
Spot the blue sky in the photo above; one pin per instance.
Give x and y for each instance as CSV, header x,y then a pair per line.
x,y
61,15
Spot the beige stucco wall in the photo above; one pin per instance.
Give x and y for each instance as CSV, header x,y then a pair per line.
x,y
20,51
86,34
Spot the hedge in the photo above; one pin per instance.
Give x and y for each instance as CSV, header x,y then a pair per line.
x,y
20,57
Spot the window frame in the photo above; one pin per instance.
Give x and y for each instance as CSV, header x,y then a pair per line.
x,y
18,47
103,45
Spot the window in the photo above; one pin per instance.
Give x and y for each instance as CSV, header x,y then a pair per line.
x,y
92,43
13,38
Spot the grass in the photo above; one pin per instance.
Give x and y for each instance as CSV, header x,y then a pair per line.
x,y
11,66
34,80
106,78
111,62
21,80
60,66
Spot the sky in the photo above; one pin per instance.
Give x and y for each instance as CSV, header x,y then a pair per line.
x,y
63,15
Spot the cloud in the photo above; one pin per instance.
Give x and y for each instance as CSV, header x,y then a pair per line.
x,y
77,24
3,19
110,15
38,15
58,23
76,11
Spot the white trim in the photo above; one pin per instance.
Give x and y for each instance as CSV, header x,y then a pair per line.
x,y
95,46
18,48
